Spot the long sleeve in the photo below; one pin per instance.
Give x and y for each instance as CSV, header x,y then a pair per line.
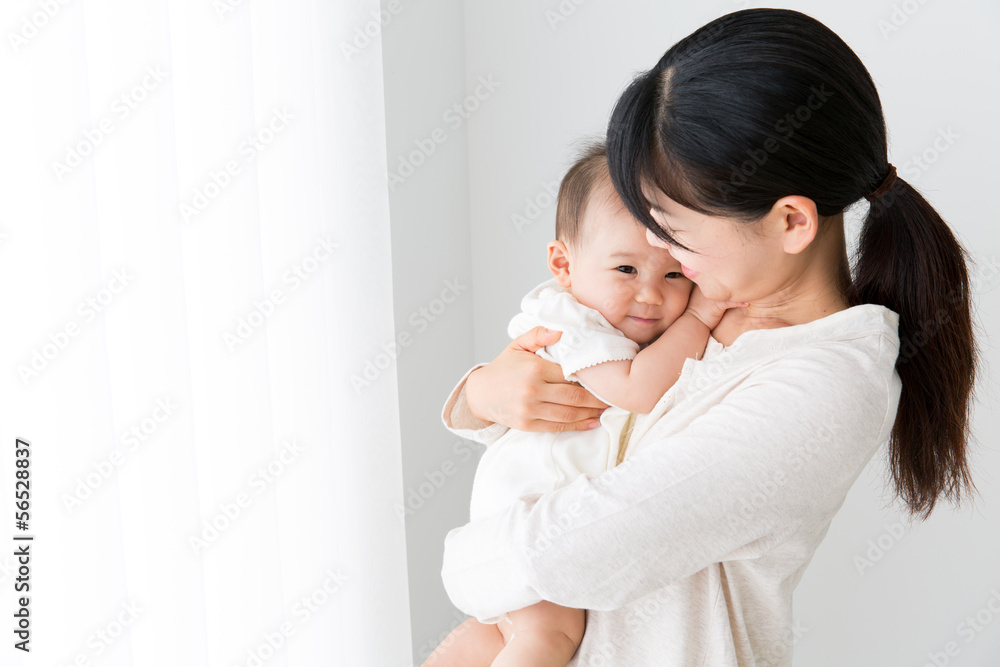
x,y
757,460
459,420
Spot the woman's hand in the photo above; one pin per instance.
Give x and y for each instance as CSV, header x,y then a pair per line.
x,y
707,310
521,390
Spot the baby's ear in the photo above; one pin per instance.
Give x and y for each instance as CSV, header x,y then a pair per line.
x,y
559,262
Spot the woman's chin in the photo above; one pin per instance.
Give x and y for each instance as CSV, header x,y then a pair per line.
x,y
717,294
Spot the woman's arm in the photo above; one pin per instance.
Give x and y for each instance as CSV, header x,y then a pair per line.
x,y
459,420
779,450
520,390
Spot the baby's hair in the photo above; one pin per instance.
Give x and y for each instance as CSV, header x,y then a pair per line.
x,y
589,171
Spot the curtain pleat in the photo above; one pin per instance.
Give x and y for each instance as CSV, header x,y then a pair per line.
x,y
195,248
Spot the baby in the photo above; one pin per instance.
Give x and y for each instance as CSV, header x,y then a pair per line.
x,y
623,307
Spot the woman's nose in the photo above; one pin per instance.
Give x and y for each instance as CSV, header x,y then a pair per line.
x,y
655,240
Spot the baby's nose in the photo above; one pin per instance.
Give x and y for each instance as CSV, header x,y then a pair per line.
x,y
649,293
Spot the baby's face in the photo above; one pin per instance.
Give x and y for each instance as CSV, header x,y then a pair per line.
x,y
639,288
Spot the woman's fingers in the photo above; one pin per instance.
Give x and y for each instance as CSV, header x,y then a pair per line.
x,y
564,393
558,425
504,390
557,405
535,339
521,390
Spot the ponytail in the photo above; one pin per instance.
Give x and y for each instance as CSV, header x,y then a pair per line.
x,y
909,261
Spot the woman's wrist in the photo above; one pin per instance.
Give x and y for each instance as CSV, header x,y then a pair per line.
x,y
471,393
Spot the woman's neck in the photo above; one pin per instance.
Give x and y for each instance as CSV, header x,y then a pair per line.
x,y
736,321
818,292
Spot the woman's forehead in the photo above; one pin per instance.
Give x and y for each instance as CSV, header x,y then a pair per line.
x,y
649,190
660,202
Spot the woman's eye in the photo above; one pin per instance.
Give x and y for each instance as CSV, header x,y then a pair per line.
x,y
627,269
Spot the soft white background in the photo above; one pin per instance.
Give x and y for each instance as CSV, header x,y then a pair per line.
x,y
267,439
453,219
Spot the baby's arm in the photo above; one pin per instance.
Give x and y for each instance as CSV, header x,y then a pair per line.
x,y
638,385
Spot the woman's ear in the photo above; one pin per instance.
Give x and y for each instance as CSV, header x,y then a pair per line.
x,y
559,263
798,221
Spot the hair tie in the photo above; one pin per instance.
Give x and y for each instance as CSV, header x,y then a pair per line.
x,y
887,183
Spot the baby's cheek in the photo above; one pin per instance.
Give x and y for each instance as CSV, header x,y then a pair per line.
x,y
683,293
615,301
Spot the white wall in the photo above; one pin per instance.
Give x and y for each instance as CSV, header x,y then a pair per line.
x,y
558,80
424,69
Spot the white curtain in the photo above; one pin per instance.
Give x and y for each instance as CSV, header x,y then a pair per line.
x,y
194,253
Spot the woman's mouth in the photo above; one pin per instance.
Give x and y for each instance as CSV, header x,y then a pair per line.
x,y
688,272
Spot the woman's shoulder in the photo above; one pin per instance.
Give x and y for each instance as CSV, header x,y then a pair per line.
x,y
840,368
850,352
838,371
863,327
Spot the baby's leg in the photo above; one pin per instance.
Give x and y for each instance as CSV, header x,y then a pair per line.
x,y
470,644
544,635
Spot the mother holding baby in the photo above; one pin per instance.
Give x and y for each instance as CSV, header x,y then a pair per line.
x,y
739,152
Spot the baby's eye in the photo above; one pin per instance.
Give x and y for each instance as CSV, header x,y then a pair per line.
x,y
676,274
627,269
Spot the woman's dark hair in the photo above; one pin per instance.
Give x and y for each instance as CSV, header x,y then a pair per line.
x,y
764,103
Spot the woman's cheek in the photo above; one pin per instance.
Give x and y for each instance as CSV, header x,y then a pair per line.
x,y
686,258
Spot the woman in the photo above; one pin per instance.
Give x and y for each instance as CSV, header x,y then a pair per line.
x,y
739,151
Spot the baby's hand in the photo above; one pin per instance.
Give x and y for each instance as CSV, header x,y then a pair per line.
x,y
708,310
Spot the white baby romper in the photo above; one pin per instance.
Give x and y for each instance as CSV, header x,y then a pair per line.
x,y
522,464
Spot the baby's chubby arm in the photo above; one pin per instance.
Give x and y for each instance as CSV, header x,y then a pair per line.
x,y
638,385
